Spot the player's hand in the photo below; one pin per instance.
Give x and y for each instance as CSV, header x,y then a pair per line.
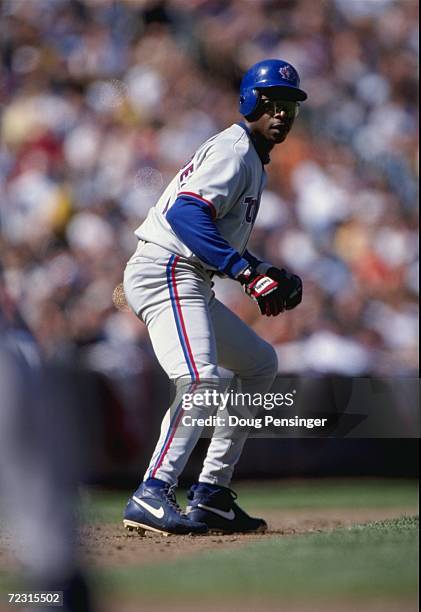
x,y
290,284
264,290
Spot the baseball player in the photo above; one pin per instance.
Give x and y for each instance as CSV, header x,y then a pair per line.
x,y
200,227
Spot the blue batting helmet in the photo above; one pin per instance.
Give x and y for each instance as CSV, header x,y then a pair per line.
x,y
269,73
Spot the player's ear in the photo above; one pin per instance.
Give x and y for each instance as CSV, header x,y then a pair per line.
x,y
297,110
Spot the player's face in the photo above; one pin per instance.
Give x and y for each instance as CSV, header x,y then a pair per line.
x,y
275,119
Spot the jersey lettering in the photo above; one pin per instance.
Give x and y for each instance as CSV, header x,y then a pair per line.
x,y
252,207
186,173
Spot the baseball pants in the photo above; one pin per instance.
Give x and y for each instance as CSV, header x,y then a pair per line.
x,y
192,333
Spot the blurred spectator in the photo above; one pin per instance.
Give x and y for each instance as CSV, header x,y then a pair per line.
x,y
102,102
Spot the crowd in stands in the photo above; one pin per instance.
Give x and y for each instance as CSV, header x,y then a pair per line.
x,y
102,102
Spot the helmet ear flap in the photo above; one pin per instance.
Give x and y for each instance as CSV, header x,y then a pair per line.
x,y
249,100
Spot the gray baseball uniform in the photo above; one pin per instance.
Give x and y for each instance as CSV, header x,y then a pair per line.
x,y
169,288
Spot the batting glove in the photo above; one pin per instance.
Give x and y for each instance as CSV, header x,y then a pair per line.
x,y
291,285
264,290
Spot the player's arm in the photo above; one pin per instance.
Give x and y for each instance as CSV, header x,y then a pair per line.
x,y
206,194
191,220
257,264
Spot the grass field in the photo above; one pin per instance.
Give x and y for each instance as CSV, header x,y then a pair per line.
x,y
107,506
333,545
377,560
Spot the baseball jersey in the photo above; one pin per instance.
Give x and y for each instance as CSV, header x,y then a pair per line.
x,y
227,175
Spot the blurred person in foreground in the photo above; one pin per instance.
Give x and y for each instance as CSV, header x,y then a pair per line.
x,y
200,228
41,461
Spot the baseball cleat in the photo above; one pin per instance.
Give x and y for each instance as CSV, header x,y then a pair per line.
x,y
215,506
153,507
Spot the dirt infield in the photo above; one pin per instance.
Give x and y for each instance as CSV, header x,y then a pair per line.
x,y
110,545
